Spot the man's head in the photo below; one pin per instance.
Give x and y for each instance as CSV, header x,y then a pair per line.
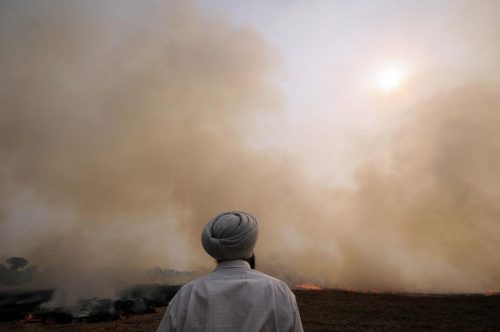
x,y
230,235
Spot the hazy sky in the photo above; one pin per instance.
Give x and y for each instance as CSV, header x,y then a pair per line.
x,y
334,51
364,135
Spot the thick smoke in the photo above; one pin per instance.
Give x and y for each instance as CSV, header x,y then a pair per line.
x,y
123,131
429,219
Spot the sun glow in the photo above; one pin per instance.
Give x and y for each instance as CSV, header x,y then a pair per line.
x,y
390,78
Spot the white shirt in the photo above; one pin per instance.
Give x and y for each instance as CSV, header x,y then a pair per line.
x,y
233,298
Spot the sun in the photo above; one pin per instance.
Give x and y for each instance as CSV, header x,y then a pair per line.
x,y
390,78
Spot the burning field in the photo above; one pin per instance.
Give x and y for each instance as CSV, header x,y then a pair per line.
x,y
125,126
36,307
321,310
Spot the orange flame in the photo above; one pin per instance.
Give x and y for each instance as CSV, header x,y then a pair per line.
x,y
308,287
490,292
29,317
122,315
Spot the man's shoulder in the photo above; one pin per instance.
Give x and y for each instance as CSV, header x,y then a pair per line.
x,y
191,284
271,279
250,274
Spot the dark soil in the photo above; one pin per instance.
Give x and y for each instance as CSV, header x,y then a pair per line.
x,y
332,310
352,311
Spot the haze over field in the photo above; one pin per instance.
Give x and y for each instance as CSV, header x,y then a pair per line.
x,y
364,136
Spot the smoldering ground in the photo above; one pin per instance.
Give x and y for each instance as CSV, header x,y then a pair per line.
x,y
125,127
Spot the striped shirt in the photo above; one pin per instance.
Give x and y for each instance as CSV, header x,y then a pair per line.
x,y
233,298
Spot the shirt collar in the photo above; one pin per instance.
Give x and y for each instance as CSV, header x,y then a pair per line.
x,y
236,263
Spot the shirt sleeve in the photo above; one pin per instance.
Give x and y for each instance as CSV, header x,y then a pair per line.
x,y
168,323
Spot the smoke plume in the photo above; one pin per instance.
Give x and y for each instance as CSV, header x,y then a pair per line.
x,y
122,132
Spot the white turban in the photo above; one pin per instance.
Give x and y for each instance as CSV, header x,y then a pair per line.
x,y
230,235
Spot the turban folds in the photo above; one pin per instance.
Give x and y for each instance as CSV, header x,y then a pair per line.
x,y
230,235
